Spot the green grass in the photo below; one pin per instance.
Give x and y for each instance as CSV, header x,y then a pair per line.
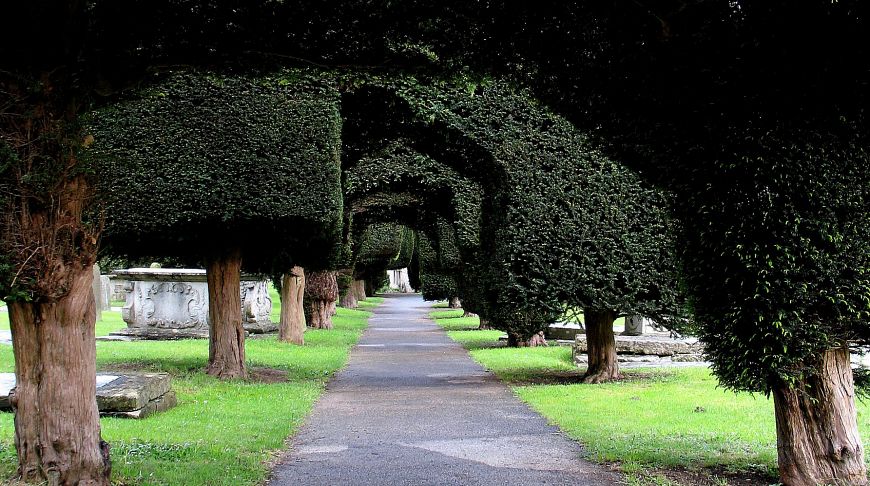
x,y
221,433
674,418
110,322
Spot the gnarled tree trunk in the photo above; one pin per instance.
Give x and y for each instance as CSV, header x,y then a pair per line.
x,y
455,303
347,297
359,289
348,300
817,427
484,325
57,423
600,346
517,341
226,341
292,326
321,292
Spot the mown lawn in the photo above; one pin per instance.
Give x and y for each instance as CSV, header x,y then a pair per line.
x,y
657,420
221,433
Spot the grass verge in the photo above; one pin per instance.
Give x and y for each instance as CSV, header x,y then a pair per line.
x,y
221,433
663,426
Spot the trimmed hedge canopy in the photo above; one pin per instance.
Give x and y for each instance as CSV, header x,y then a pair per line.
x,y
201,162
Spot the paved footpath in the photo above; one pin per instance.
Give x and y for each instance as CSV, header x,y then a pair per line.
x,y
413,408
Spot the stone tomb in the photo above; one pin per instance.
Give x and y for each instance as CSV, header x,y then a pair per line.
x,y
134,395
169,303
649,348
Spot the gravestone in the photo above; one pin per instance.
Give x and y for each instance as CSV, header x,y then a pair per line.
x,y
629,348
170,303
633,326
134,395
399,281
105,292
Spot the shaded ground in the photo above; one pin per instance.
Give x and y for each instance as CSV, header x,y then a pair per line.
x,y
413,408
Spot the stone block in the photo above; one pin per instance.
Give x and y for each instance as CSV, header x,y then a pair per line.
x,y
648,345
105,292
173,303
134,395
159,404
563,331
132,391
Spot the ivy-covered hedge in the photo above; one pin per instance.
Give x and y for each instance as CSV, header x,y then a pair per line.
x,y
203,161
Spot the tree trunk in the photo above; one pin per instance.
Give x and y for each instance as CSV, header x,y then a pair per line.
x,y
292,326
57,423
359,289
369,287
600,346
484,325
348,300
455,303
515,340
318,311
226,343
817,429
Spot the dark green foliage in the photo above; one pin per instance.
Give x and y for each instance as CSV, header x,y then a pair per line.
x,y
202,162
562,223
792,244
383,246
755,114
436,273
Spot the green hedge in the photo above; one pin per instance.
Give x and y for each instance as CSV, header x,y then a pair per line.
x,y
203,161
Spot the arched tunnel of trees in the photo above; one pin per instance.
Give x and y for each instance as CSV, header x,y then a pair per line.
x,y
700,165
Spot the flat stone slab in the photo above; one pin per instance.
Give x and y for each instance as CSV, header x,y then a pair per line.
x,y
563,330
647,345
5,337
134,395
154,334
166,334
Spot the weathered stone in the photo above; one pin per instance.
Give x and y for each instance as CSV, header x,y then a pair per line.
x,y
105,292
399,281
151,334
132,391
633,326
158,404
118,286
563,331
652,345
118,394
173,303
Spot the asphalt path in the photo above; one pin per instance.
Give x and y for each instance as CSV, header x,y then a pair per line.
x,y
413,408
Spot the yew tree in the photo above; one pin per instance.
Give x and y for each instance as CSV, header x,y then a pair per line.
x,y
229,171
754,114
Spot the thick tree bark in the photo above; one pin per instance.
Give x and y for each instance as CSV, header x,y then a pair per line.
x,y
347,297
817,428
359,289
484,325
348,300
57,423
600,346
515,340
319,316
226,350
292,326
321,293
369,287
455,303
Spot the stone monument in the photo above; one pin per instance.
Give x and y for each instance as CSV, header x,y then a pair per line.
x,y
172,303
